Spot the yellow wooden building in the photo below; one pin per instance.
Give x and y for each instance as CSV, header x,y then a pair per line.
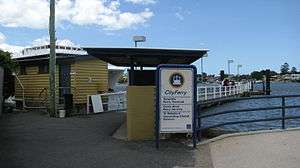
x,y
77,73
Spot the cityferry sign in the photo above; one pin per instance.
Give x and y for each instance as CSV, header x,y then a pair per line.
x,y
176,99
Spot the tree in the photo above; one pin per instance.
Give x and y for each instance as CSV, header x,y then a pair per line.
x,y
294,70
257,75
285,68
7,62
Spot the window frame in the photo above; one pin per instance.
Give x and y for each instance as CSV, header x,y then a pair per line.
x,y
43,68
23,70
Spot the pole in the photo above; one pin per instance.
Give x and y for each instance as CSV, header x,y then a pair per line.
x,y
228,67
52,60
268,85
202,66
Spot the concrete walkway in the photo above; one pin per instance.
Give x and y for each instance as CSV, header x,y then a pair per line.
x,y
33,140
267,149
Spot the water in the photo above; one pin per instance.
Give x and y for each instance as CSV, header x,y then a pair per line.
x,y
277,89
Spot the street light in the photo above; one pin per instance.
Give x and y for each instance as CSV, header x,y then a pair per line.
x,y
238,69
202,66
228,63
137,39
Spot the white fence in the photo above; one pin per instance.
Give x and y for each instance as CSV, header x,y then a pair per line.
x,y
214,92
106,102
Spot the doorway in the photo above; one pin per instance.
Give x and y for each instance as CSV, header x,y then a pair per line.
x,y
64,81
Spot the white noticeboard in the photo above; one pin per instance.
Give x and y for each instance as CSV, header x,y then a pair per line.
x,y
97,103
176,100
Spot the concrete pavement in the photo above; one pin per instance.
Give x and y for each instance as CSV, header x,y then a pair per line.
x,y
264,149
33,140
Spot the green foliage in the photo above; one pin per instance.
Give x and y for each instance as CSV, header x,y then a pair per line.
x,y
258,75
7,62
285,68
294,70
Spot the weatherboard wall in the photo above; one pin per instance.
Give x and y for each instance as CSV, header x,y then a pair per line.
x,y
88,76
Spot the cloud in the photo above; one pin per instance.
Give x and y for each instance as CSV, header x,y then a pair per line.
x,y
7,47
179,16
2,38
16,50
46,41
106,14
144,2
181,13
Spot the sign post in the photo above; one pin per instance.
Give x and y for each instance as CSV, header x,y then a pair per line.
x,y
176,100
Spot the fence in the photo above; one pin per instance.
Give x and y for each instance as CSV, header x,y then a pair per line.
x,y
107,102
213,92
283,117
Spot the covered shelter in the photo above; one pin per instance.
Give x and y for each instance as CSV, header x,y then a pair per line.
x,y
141,89
145,57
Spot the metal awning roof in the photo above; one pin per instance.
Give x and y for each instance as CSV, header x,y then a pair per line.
x,y
147,57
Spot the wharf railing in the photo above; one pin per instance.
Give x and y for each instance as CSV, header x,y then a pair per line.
x,y
282,118
218,91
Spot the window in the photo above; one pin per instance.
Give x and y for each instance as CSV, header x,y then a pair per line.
x,y
23,70
43,68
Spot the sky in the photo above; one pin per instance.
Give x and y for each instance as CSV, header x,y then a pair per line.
x,y
258,34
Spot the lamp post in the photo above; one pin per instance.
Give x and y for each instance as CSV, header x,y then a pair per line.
x,y
137,39
202,66
228,63
238,69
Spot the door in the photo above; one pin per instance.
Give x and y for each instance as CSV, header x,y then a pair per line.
x,y
64,81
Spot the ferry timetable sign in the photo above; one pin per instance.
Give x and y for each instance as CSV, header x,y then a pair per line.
x,y
175,99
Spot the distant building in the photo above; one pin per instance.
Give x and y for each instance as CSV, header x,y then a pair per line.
x,y
292,77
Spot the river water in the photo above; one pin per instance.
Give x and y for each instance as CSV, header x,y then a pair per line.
x,y
278,88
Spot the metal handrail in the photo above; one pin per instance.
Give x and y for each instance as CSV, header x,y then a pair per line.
x,y
247,110
282,118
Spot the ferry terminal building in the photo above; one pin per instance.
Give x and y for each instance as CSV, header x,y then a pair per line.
x,y
84,71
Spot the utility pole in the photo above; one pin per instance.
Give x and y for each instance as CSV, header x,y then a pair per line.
x,y
52,61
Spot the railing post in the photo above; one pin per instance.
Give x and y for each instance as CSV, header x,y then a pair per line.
x,y
205,93
220,91
214,92
225,90
283,112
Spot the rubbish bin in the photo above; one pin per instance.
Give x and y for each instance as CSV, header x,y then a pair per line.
x,y
68,103
62,113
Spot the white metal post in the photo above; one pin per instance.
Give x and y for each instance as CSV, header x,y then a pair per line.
x,y
214,92
205,93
